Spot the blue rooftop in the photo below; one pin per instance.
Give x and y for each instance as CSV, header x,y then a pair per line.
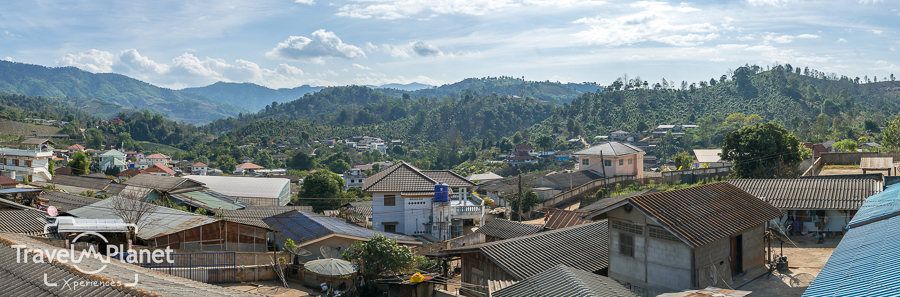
x,y
880,206
865,263
304,227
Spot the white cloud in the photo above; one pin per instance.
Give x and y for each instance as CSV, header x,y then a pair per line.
x,y
892,49
184,70
426,9
870,1
884,65
323,45
653,21
717,60
307,2
778,39
877,32
808,36
357,66
768,2
424,49
9,59
415,48
841,40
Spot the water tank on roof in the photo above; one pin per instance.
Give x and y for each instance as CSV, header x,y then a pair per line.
x,y
441,192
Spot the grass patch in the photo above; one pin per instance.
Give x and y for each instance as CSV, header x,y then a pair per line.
x,y
19,128
840,167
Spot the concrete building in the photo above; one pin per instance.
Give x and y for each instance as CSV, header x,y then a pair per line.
x,y
199,168
611,158
355,178
113,158
148,161
693,237
28,163
403,201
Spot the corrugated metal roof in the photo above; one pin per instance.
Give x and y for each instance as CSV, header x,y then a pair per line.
x,y
702,214
162,220
865,263
91,183
606,202
882,205
583,247
253,215
506,229
304,227
26,221
811,194
358,212
27,279
245,186
561,218
77,225
562,280
401,177
611,148
156,182
876,163
210,200
64,201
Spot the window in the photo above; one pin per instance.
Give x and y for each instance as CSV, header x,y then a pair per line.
x,y
586,162
390,228
629,161
27,163
607,163
389,200
621,162
626,245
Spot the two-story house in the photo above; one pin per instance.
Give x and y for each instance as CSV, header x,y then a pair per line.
x,y
113,158
199,168
695,237
354,178
153,159
405,200
28,163
612,159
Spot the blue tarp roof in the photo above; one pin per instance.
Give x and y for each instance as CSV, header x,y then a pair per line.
x,y
879,206
865,263
305,227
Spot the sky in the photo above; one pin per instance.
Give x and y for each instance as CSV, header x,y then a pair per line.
x,y
288,43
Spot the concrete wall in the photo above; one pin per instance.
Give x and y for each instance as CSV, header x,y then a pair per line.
x,y
837,221
853,158
636,167
715,257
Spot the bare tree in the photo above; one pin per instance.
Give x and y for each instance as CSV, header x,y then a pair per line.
x,y
129,207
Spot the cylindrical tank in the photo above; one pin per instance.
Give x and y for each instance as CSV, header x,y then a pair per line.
x,y
441,192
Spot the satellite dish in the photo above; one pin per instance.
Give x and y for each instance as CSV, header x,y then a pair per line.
x,y
52,211
328,251
299,251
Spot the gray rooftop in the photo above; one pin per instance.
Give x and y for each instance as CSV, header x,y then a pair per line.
x,y
611,148
304,227
812,194
506,229
562,280
253,215
161,220
160,183
65,201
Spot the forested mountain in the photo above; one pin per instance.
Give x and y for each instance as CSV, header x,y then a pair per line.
x,y
70,82
250,96
504,85
407,87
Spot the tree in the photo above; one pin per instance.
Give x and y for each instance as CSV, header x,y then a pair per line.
x,y
683,160
80,164
762,151
129,207
302,161
381,256
226,163
112,171
339,166
890,136
529,200
325,186
845,146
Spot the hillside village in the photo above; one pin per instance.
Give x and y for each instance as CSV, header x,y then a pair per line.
x,y
617,223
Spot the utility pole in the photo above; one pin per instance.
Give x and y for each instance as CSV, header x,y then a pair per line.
x,y
523,87
520,197
605,178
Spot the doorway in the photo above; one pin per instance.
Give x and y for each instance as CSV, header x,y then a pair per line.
x,y
737,255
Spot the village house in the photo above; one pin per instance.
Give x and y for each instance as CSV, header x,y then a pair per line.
x,y
148,161
407,200
611,159
354,178
246,168
113,158
28,163
709,158
581,247
315,233
7,182
480,178
686,238
359,213
160,169
199,168
814,204
75,148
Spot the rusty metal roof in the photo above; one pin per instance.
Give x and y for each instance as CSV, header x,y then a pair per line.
x,y
702,214
561,218
876,163
811,194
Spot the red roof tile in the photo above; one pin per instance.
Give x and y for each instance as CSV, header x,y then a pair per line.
x,y
7,181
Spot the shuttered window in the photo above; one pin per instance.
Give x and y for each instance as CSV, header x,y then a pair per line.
x,y
389,200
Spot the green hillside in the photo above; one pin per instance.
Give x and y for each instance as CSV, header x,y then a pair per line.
x,y
249,96
70,82
504,85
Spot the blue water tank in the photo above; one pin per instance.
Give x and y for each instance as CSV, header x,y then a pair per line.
x,y
441,192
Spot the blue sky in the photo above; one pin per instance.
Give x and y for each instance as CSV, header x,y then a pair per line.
x,y
287,43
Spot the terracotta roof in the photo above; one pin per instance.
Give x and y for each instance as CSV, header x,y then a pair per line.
x,y
506,229
249,166
561,218
702,214
199,164
76,147
157,156
401,177
159,167
583,247
562,280
7,181
811,194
